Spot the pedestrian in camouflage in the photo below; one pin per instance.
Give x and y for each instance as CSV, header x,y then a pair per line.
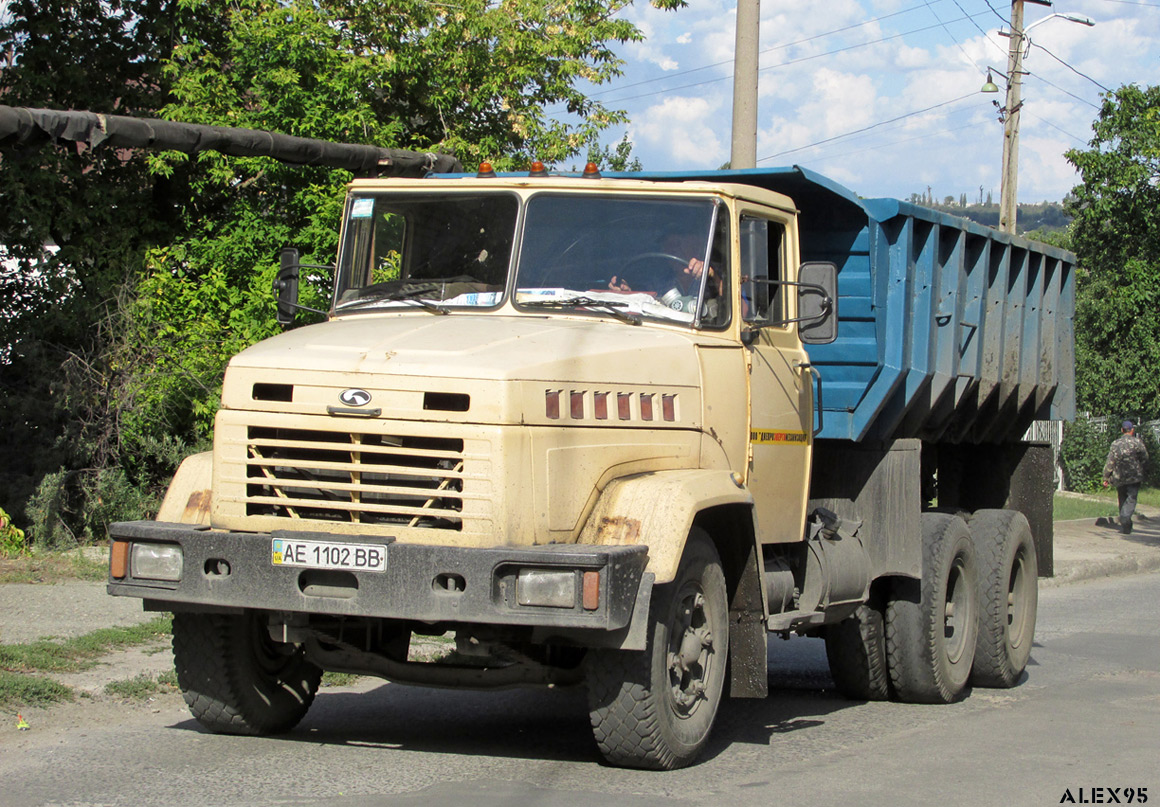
x,y
1125,469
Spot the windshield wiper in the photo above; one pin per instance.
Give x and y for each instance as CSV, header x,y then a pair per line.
x,y
609,306
402,295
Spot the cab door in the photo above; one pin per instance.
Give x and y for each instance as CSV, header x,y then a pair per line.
x,y
781,390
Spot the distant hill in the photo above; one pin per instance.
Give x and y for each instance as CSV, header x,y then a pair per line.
x,y
1045,217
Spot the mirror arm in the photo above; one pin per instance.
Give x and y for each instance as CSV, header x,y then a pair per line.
x,y
827,302
308,308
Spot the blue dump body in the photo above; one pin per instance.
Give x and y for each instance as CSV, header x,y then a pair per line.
x,y
948,331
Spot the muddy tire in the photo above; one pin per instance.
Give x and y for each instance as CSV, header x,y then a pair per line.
x,y
1008,596
235,679
931,625
655,708
856,650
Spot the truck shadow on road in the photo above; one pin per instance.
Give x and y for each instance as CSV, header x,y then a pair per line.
x,y
538,724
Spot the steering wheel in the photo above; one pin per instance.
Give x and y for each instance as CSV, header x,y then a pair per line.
x,y
651,277
647,256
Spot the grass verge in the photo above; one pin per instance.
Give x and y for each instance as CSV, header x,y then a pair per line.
x,y
1069,508
80,653
143,686
23,666
53,567
17,689
1149,497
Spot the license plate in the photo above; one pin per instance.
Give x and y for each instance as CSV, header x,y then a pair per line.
x,y
326,555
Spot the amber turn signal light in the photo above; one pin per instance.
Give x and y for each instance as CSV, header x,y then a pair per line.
x,y
119,560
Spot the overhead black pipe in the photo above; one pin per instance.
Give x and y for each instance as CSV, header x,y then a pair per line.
x,y
22,126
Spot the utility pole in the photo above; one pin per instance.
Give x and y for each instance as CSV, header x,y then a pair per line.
x,y
743,153
1008,194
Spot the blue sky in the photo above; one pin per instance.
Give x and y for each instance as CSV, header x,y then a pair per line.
x,y
841,80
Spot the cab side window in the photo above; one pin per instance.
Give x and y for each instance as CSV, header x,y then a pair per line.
x,y
762,269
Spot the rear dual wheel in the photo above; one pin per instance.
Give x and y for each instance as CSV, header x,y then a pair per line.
x,y
932,623
856,650
1008,596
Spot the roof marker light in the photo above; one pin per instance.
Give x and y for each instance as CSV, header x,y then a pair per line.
x,y
591,171
538,170
485,171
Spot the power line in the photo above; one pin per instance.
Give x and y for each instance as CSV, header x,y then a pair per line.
x,y
1057,128
1134,3
881,146
1072,69
1006,21
1062,90
770,49
954,39
868,128
775,66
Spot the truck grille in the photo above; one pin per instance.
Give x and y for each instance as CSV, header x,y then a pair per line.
x,y
356,478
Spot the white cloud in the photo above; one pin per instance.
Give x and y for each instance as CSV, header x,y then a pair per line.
x,y
681,128
1042,166
824,73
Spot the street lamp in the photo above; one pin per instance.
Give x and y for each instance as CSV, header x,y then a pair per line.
x,y
1010,177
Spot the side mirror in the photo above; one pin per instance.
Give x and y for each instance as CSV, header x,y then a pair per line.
x,y
818,302
286,286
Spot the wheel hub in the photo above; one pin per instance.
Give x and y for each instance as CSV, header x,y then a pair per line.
x,y
690,653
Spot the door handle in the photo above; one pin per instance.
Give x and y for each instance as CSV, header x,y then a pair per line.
x,y
816,398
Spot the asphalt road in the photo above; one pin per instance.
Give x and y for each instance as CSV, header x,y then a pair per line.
x,y
1086,716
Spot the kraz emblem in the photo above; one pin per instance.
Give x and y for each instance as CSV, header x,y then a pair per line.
x,y
355,397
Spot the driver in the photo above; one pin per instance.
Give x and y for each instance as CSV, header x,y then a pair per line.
x,y
686,280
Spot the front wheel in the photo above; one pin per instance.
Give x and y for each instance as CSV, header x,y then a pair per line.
x,y
654,708
236,679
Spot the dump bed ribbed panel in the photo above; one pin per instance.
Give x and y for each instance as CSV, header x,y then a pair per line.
x,y
948,330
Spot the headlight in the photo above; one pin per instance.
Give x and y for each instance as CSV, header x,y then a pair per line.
x,y
157,562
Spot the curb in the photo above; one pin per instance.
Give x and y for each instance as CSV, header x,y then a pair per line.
x,y
1097,569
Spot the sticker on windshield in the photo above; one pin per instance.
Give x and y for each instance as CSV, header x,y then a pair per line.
x,y
476,298
362,209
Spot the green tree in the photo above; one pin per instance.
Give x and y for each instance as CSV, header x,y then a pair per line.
x,y
1116,236
74,227
165,260
615,158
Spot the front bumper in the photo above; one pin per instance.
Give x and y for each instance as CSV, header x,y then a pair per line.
x,y
422,583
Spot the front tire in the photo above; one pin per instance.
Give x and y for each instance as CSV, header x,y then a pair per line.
x,y
235,679
932,624
655,708
1008,596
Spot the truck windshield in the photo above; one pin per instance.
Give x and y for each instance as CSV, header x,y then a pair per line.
x,y
430,251
644,255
